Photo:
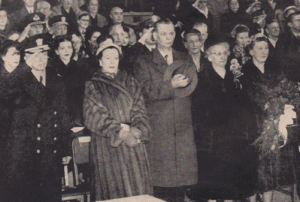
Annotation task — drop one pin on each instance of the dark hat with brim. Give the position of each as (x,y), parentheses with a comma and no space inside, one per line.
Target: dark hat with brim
(35,44)
(216,40)
(187,69)
(57,20)
(32,19)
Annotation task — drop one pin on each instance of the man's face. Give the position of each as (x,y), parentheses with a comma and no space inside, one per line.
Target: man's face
(118,35)
(3,18)
(44,8)
(295,24)
(36,29)
(116,15)
(60,29)
(202,4)
(29,3)
(165,35)
(66,3)
(204,34)
(84,21)
(93,6)
(193,43)
(37,61)
(273,29)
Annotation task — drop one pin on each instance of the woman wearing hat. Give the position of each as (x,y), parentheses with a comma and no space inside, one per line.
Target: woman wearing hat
(114,112)
(274,97)
(223,132)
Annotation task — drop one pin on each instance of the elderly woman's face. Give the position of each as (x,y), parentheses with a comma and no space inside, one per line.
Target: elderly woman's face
(242,39)
(218,55)
(260,51)
(110,61)
(234,5)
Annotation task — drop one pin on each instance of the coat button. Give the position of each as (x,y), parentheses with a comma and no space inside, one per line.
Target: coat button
(55,125)
(38,138)
(38,151)
(55,112)
(55,138)
(54,151)
(38,125)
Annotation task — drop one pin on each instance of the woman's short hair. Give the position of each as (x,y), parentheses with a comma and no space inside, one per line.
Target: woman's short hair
(59,39)
(6,44)
(240,28)
(225,44)
(191,32)
(257,38)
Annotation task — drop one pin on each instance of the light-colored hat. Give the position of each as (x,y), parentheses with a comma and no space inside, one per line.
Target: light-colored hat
(106,44)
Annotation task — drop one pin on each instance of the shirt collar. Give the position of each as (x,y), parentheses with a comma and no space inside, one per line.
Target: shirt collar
(38,74)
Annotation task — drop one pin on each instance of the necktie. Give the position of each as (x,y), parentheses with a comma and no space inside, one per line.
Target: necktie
(166,58)
(41,80)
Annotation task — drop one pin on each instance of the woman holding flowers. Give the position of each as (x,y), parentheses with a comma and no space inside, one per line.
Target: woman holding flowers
(274,98)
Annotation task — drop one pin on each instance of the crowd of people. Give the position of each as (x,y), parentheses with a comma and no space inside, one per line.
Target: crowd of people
(177,107)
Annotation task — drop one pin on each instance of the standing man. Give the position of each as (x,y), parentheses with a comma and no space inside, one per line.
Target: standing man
(288,48)
(172,150)
(272,30)
(38,138)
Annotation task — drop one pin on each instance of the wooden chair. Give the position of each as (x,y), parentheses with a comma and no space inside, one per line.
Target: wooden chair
(80,150)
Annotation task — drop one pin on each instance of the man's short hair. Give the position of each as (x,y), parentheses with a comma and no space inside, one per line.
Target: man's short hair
(200,24)
(290,18)
(165,21)
(191,32)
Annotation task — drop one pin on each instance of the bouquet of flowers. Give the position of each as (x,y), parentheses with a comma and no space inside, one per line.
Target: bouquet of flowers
(236,68)
(273,101)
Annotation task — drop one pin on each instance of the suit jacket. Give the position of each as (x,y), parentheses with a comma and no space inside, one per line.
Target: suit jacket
(101,20)
(172,147)
(288,50)
(38,138)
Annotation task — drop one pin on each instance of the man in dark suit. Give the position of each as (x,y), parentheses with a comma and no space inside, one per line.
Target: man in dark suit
(272,30)
(19,15)
(38,138)
(172,151)
(288,48)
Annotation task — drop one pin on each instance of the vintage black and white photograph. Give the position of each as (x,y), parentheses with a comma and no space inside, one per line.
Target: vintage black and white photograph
(149,100)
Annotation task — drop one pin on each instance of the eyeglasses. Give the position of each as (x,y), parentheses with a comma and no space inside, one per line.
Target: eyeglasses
(226,53)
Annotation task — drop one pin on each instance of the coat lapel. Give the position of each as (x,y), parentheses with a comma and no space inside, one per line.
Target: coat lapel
(161,63)
(32,86)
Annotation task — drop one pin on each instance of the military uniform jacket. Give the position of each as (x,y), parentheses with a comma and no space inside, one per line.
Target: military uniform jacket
(38,138)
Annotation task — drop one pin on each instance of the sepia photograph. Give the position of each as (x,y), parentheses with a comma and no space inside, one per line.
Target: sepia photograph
(149,100)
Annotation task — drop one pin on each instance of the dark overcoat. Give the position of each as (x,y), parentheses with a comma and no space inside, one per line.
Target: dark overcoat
(172,149)
(38,139)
